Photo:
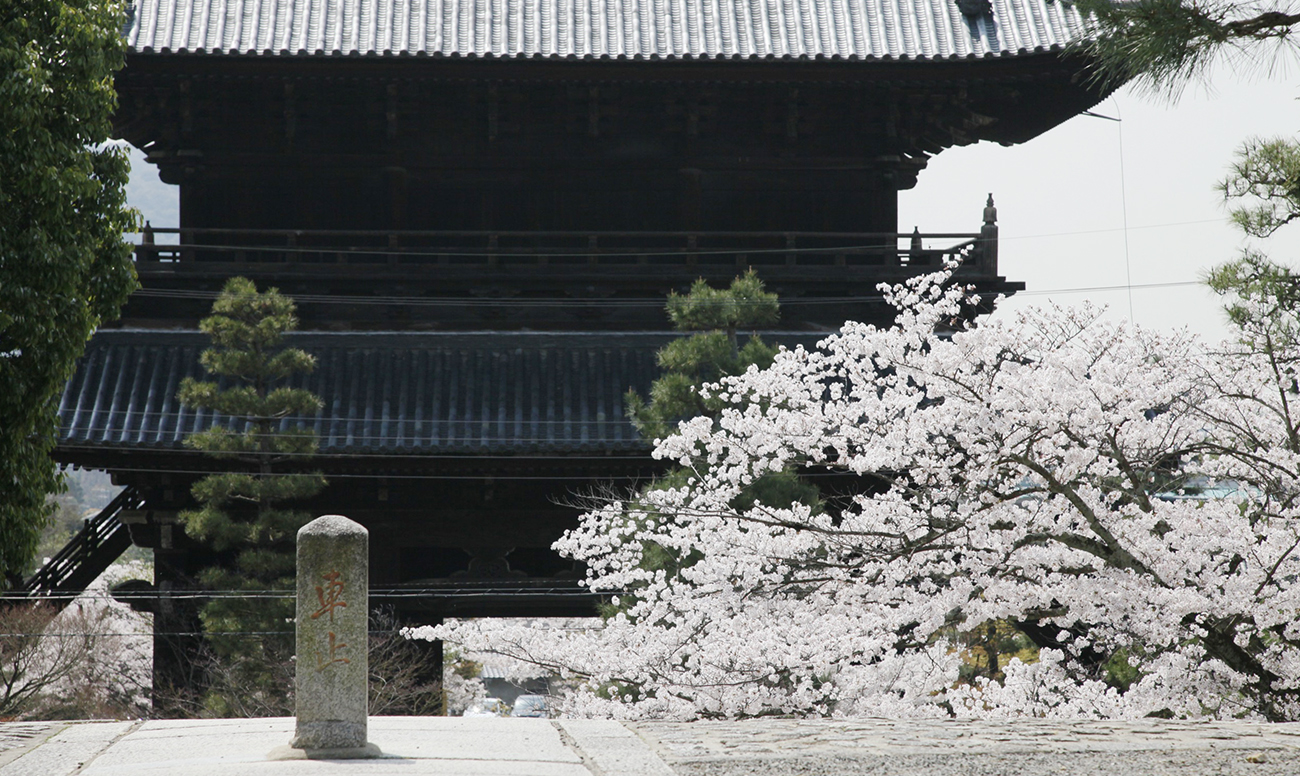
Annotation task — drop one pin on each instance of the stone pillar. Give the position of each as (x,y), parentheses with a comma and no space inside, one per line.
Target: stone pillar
(332,642)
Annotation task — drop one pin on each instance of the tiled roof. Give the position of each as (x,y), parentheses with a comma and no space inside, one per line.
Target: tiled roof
(404,393)
(858,29)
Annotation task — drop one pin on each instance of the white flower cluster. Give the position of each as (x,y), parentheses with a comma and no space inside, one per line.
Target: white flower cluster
(1045,471)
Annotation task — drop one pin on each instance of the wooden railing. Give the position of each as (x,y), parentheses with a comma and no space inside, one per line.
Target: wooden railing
(377,248)
(101,541)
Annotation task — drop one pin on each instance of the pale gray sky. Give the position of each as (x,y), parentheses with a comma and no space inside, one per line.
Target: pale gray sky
(1063,204)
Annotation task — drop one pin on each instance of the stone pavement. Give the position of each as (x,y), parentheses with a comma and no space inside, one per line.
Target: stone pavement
(416,746)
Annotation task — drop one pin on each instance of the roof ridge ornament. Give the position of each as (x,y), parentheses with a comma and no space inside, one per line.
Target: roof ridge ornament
(973,9)
(128,20)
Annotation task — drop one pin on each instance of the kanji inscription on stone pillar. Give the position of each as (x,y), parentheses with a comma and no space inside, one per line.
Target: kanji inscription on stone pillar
(333,582)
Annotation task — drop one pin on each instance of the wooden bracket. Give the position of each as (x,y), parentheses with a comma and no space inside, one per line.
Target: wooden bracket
(391,112)
(290,111)
(792,116)
(187,110)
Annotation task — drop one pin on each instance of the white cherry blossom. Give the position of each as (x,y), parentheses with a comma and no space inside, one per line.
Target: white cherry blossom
(1045,470)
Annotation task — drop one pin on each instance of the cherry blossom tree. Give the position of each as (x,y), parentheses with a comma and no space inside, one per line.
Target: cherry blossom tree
(1125,499)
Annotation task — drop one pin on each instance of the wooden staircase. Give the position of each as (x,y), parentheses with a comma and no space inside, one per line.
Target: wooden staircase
(101,540)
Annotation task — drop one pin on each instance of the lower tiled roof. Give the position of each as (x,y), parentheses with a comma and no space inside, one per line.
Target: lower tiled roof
(384,392)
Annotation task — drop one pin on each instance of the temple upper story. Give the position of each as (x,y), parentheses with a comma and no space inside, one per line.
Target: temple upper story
(564,151)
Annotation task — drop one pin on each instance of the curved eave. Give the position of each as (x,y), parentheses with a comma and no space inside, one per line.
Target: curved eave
(1061,63)
(320,55)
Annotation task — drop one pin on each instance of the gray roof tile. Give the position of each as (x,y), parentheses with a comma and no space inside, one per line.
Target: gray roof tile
(861,29)
(386,392)
(383,392)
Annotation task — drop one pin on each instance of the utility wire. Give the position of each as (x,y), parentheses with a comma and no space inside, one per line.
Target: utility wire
(466,452)
(494,302)
(1120,287)
(656,303)
(447,591)
(246,634)
(469,475)
(296,418)
(462,455)
(558,252)
(152,597)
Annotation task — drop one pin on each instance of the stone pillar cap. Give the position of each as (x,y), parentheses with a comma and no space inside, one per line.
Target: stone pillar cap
(333,525)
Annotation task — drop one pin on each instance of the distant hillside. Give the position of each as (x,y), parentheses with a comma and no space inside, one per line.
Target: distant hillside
(89,490)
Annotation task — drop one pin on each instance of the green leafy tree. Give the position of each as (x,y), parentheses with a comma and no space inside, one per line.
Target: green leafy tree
(64,265)
(241,515)
(1262,297)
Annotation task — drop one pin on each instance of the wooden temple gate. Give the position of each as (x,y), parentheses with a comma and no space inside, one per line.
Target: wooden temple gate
(480,206)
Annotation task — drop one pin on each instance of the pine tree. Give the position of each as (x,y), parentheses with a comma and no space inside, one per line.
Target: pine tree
(1163,44)
(711,318)
(241,517)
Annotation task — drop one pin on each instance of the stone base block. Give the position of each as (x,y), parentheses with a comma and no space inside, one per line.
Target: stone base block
(329,734)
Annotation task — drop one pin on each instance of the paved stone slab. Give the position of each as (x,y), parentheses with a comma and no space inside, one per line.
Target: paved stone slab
(71,748)
(411,745)
(17,738)
(975,748)
(420,746)
(476,738)
(611,749)
(1015,764)
(789,737)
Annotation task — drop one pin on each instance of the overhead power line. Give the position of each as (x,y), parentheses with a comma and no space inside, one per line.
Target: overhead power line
(478,590)
(412,301)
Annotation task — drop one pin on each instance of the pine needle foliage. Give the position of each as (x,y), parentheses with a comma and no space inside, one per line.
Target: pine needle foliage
(1165,44)
(712,319)
(1265,174)
(242,515)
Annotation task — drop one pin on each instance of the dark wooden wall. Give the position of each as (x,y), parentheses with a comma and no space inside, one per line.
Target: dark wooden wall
(340,154)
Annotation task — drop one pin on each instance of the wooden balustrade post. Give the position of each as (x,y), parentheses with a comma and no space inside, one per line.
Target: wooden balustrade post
(916,248)
(186,252)
(988,253)
(146,251)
